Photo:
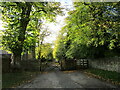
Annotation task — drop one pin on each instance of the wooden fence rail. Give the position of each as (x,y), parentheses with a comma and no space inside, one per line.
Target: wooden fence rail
(82,64)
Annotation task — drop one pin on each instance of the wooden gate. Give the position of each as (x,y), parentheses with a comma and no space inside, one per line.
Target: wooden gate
(82,64)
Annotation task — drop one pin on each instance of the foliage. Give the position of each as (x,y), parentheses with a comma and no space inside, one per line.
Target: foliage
(22,19)
(92,30)
(47,51)
(59,49)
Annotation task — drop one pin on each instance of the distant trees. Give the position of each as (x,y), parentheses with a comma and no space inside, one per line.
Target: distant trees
(21,20)
(59,49)
(91,31)
(46,52)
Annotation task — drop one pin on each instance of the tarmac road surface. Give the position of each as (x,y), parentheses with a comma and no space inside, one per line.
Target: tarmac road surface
(52,77)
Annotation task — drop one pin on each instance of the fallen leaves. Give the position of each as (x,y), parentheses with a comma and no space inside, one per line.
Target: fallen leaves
(69,71)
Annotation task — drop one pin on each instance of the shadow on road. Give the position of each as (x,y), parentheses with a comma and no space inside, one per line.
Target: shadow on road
(53,77)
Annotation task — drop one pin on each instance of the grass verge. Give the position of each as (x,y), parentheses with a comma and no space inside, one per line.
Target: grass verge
(10,80)
(109,76)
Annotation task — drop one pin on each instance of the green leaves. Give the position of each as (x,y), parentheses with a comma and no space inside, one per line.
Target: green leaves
(46,51)
(23,24)
(92,29)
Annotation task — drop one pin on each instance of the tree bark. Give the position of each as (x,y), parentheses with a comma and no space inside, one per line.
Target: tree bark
(16,59)
(22,29)
(61,65)
(33,52)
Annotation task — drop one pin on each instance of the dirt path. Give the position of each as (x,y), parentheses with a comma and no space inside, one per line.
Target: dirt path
(53,78)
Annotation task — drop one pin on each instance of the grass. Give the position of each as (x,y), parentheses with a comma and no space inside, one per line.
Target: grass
(14,79)
(111,76)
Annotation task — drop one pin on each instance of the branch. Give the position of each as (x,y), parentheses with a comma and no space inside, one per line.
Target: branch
(5,5)
(88,5)
(40,11)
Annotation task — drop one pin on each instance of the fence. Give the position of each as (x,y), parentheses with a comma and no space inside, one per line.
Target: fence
(110,64)
(82,64)
(74,64)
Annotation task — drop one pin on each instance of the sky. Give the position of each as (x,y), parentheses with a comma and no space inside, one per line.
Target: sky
(54,28)
(1,25)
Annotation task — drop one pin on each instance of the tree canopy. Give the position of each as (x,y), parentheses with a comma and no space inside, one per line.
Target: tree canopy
(22,23)
(92,31)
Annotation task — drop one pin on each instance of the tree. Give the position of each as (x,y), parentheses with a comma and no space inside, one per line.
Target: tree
(59,49)
(43,34)
(17,16)
(46,51)
(92,30)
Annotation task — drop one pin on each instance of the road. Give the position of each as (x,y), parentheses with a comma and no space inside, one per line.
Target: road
(54,78)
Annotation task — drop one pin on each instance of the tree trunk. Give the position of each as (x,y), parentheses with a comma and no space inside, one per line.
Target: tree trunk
(61,65)
(33,52)
(22,29)
(26,55)
(16,65)
(40,65)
